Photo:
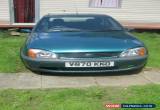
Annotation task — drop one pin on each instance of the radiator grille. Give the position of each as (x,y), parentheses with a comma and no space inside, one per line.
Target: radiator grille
(89,55)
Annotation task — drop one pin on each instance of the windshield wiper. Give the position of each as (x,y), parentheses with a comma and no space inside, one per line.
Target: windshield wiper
(103,30)
(70,29)
(63,29)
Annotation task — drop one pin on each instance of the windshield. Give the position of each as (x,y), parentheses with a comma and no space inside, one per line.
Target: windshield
(77,23)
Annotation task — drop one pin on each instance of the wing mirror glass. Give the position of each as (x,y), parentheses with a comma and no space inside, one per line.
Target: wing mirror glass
(26,30)
(130,29)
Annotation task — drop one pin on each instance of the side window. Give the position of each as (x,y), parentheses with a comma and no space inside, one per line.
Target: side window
(104,3)
(114,24)
(42,25)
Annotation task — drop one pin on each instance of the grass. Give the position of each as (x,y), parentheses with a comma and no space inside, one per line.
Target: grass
(10,46)
(152,41)
(9,53)
(93,98)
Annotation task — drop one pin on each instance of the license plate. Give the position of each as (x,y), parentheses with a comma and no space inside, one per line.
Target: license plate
(89,64)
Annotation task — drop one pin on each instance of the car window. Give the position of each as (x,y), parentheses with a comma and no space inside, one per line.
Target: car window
(74,23)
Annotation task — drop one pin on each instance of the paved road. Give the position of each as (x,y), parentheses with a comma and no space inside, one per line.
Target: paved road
(34,81)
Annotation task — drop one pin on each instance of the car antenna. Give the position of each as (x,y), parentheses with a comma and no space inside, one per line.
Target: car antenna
(76,7)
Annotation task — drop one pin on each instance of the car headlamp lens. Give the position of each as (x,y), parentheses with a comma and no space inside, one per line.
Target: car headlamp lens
(141,51)
(37,53)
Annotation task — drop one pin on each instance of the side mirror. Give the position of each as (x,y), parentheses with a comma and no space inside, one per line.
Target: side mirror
(130,29)
(26,30)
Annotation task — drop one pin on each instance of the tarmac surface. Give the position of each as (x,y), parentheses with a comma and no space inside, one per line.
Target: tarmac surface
(31,80)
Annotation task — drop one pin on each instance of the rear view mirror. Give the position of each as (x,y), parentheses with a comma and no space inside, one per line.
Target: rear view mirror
(26,30)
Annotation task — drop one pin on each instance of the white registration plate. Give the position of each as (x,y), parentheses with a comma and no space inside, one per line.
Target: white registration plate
(90,64)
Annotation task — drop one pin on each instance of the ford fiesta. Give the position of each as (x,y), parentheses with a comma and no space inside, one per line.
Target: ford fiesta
(82,43)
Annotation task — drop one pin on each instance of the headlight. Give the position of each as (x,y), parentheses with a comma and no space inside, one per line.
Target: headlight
(141,51)
(37,53)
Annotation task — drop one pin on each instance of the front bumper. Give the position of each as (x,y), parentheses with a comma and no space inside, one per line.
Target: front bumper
(58,65)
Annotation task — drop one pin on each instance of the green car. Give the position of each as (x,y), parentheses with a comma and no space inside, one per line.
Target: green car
(82,43)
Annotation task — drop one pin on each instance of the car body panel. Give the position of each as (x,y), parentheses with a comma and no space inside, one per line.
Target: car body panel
(84,41)
(58,65)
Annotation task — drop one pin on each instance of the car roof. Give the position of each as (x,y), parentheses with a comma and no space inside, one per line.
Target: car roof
(77,15)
